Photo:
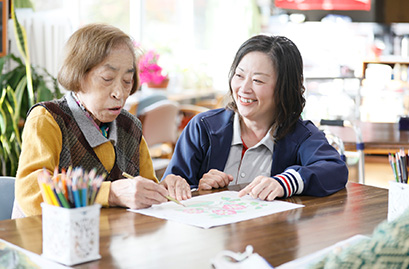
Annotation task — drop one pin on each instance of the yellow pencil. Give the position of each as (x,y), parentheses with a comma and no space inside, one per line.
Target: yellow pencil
(166,196)
(44,193)
(51,194)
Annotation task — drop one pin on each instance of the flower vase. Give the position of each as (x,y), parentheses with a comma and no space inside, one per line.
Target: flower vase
(163,85)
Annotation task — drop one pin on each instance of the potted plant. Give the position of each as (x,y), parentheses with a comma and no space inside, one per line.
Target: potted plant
(150,72)
(21,87)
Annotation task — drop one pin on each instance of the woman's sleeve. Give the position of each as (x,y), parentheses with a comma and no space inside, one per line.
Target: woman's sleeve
(189,156)
(322,169)
(41,147)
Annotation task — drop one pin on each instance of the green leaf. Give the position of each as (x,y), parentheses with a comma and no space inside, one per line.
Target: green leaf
(16,59)
(19,97)
(6,146)
(15,132)
(3,122)
(43,93)
(3,96)
(15,153)
(19,32)
(21,38)
(11,97)
(20,88)
(13,77)
(2,62)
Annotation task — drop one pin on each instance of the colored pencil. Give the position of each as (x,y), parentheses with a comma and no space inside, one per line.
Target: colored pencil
(393,165)
(74,188)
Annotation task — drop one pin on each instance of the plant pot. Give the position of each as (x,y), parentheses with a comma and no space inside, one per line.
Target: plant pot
(162,85)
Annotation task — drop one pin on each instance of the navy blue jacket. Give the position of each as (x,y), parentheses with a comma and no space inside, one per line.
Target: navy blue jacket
(205,144)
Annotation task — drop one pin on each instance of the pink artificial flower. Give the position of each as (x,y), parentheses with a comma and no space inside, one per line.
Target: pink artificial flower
(149,70)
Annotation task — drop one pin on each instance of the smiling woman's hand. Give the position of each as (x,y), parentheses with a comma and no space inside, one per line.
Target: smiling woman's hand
(264,188)
(214,179)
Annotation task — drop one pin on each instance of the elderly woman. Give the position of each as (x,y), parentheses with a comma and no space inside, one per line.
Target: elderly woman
(88,127)
(260,138)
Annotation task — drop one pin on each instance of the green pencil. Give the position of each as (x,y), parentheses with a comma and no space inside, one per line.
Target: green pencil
(393,165)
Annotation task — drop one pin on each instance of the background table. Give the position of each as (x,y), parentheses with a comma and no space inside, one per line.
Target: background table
(379,138)
(130,240)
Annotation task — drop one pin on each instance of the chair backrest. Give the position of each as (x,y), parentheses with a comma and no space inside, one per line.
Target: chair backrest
(146,101)
(6,197)
(160,122)
(187,112)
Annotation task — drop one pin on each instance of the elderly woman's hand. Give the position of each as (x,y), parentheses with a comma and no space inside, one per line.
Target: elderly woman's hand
(136,193)
(264,188)
(177,187)
(214,179)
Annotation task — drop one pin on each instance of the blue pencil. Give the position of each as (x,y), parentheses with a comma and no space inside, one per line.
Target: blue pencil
(77,199)
(84,196)
(56,195)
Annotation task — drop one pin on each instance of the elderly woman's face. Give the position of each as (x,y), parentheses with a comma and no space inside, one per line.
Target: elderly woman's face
(106,87)
(253,87)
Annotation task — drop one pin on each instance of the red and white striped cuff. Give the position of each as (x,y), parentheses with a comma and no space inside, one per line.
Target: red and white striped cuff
(291,182)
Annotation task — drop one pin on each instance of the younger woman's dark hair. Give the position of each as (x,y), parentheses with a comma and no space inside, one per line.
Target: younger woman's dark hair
(289,90)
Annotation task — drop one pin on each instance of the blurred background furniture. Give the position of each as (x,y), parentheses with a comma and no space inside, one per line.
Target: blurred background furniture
(160,122)
(6,197)
(163,119)
(338,143)
(146,101)
(379,138)
(187,112)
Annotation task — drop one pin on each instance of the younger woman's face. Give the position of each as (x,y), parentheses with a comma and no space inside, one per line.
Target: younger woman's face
(253,87)
(105,88)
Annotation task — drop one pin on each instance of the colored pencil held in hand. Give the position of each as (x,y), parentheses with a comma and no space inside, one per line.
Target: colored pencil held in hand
(166,196)
(70,189)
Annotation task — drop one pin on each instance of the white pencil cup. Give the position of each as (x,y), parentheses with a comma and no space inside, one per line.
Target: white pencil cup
(398,199)
(71,236)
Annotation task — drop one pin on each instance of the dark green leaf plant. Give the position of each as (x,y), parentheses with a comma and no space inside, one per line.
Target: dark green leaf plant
(22,87)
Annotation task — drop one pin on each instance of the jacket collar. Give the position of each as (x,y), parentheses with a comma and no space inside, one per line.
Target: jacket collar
(91,133)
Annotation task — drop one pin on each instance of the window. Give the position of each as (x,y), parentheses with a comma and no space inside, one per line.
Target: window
(196,39)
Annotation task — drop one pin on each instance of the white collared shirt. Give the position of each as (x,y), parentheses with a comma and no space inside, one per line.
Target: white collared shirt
(256,161)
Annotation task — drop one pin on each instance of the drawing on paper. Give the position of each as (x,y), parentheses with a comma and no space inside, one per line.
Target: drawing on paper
(216,209)
(225,207)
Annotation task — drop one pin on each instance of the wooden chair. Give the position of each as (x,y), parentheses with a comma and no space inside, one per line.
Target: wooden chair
(187,112)
(218,102)
(160,123)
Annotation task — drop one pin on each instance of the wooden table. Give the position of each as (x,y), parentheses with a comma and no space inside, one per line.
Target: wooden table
(379,138)
(130,240)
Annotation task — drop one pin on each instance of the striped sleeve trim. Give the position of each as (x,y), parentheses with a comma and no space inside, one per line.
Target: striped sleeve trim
(291,182)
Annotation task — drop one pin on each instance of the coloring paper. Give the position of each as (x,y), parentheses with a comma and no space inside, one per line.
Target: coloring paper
(216,209)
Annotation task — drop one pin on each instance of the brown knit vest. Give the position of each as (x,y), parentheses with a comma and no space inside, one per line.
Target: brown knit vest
(77,152)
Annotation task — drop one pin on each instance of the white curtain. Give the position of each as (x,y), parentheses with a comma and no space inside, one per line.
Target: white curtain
(47,33)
